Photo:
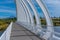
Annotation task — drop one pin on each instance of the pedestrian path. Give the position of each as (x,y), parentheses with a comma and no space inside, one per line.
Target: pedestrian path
(20,33)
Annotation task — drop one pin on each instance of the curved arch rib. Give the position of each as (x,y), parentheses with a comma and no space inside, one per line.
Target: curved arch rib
(21,16)
(31,16)
(35,13)
(48,20)
(28,18)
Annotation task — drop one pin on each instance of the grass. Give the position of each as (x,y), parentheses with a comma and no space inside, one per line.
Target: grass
(56,21)
(4,23)
(3,27)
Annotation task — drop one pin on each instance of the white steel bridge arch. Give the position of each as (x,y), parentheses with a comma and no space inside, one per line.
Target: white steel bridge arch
(21,16)
(25,18)
(29,12)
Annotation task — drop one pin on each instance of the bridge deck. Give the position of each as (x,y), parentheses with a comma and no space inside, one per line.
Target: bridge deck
(20,33)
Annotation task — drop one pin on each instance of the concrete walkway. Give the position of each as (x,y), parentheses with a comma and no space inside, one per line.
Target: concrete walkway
(20,33)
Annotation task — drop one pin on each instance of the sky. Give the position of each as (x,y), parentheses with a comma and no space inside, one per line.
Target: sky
(53,7)
(8,8)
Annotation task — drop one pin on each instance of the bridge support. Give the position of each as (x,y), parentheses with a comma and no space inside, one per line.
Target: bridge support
(24,15)
(21,13)
(28,12)
(49,31)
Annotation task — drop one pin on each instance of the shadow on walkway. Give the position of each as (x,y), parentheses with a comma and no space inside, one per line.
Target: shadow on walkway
(20,33)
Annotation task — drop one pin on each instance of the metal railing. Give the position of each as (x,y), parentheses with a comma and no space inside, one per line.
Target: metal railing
(40,32)
(47,34)
(6,33)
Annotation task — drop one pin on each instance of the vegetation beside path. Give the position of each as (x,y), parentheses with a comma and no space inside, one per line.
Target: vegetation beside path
(4,23)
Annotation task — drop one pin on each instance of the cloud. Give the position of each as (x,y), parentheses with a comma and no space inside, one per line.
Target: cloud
(4,13)
(53,2)
(5,2)
(53,7)
(8,11)
(7,7)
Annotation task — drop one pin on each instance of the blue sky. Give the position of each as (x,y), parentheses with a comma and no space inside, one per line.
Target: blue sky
(8,8)
(53,7)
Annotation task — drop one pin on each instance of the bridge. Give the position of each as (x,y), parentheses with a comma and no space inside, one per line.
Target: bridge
(25,28)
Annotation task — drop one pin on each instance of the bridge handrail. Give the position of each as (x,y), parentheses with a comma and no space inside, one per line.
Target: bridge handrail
(6,33)
(33,28)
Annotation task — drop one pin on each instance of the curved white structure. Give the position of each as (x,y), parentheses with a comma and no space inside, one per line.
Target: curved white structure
(24,16)
(38,23)
(35,12)
(48,20)
(26,11)
(29,12)
(21,16)
(21,13)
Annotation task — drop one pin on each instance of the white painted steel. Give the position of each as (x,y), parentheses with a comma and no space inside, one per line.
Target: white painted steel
(55,37)
(26,11)
(48,20)
(31,16)
(7,33)
(21,15)
(35,12)
(22,18)
(36,16)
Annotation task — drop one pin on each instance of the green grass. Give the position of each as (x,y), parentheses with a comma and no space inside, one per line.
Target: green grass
(5,22)
(56,21)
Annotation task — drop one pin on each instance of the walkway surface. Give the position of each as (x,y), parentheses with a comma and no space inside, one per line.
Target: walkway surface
(20,33)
